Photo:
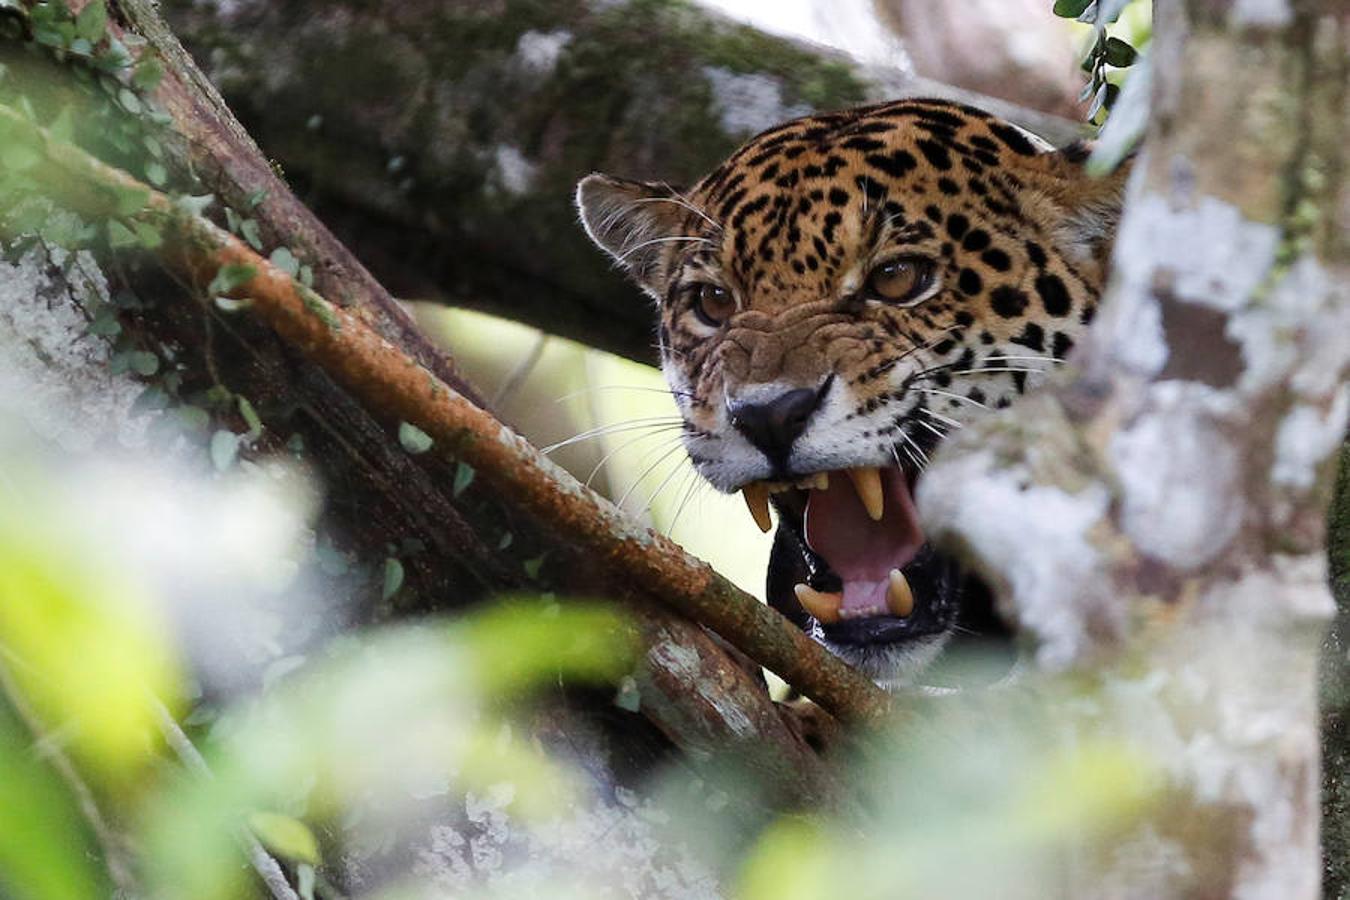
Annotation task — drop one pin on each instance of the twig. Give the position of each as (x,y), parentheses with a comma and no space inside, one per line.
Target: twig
(262,862)
(386,379)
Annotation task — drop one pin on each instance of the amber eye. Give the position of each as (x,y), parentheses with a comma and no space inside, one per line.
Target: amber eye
(900,280)
(712,304)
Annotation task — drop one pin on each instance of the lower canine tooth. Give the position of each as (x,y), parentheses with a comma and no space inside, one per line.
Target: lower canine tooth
(823,607)
(867,482)
(757,500)
(899,598)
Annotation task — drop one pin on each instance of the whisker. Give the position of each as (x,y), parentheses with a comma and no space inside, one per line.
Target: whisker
(934,391)
(941,418)
(651,499)
(912,443)
(696,484)
(688,239)
(624,446)
(655,424)
(942,435)
(646,472)
(621,387)
(679,200)
(1004,358)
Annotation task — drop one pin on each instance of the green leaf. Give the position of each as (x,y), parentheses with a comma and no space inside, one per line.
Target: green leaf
(149,72)
(1119,53)
(224,449)
(628,698)
(129,101)
(193,418)
(147,235)
(414,439)
(256,198)
(105,324)
(532,566)
(144,363)
(1071,9)
(286,837)
(393,577)
(255,425)
(197,204)
(249,230)
(156,173)
(92,22)
(130,200)
(120,236)
(463,478)
(284,260)
(230,277)
(18,155)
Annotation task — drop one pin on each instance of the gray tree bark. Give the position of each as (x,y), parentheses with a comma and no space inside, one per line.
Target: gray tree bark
(1158,518)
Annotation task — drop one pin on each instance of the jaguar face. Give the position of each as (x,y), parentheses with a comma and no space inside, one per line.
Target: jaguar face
(836,299)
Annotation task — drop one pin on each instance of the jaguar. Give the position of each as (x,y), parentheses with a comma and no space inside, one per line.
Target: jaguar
(834,300)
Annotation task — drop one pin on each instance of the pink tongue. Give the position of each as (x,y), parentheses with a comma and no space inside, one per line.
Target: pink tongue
(858,550)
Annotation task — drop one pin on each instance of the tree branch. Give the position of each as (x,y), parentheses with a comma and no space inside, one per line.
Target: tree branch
(386,379)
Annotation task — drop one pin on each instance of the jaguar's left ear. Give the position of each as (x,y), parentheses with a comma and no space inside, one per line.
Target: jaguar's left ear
(1087,207)
(635,222)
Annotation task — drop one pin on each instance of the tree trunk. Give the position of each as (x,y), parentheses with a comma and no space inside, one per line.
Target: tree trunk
(443,141)
(1158,518)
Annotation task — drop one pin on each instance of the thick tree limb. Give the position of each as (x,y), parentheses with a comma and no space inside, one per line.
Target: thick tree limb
(385,378)
(1158,518)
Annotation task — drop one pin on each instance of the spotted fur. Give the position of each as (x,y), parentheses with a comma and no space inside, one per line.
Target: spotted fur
(792,224)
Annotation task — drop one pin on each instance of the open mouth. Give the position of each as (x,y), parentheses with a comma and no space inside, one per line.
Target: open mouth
(851,564)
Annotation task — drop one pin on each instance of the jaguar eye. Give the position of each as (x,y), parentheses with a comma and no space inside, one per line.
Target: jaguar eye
(712,304)
(900,280)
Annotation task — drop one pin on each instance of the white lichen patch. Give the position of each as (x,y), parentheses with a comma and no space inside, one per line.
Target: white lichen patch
(1211,252)
(1134,322)
(512,172)
(684,664)
(1262,13)
(1307,436)
(1277,346)
(747,104)
(609,848)
(54,375)
(1180,479)
(1036,536)
(538,51)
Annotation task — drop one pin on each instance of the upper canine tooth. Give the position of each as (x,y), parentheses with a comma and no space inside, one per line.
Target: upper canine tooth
(822,481)
(899,598)
(757,500)
(824,607)
(867,482)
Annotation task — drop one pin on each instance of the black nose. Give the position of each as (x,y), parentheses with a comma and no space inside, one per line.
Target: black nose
(773,426)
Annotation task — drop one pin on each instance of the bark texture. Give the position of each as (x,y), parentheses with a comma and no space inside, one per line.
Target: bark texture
(443,141)
(1175,484)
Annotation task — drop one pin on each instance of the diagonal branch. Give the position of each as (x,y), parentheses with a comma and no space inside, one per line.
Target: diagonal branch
(387,380)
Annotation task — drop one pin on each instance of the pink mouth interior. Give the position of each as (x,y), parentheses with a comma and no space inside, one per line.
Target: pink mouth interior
(860,551)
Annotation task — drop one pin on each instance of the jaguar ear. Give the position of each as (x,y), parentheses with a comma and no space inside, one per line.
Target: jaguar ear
(628,221)
(1089,205)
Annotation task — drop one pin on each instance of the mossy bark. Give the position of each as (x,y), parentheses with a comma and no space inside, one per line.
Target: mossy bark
(442,141)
